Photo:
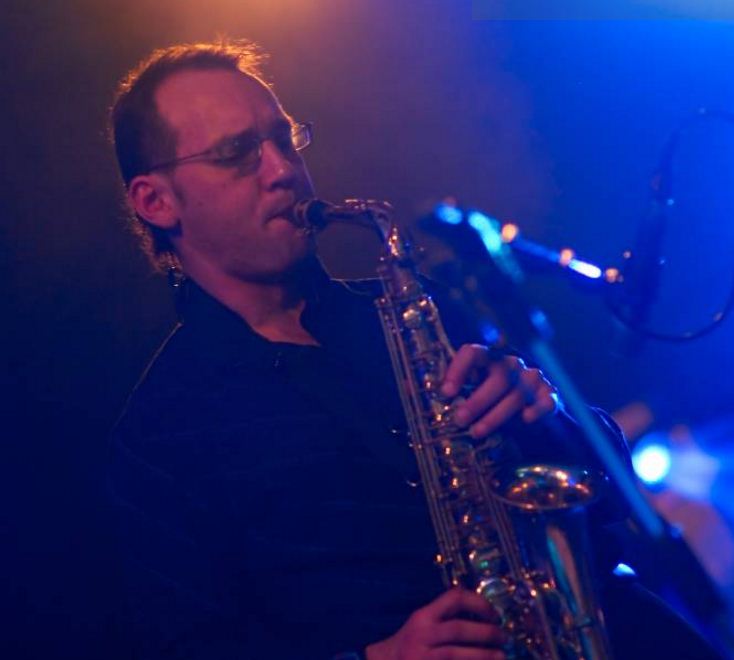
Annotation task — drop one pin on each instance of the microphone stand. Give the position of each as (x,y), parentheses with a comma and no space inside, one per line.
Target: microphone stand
(641,272)
(498,283)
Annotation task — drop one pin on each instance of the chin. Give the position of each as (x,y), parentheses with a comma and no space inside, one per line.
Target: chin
(301,266)
(298,263)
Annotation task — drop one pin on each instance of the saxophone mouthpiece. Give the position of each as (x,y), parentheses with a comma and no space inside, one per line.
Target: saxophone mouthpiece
(316,214)
(312,213)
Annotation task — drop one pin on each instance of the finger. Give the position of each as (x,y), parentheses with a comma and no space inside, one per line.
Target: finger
(461,601)
(534,396)
(471,633)
(540,395)
(502,377)
(467,358)
(502,412)
(547,403)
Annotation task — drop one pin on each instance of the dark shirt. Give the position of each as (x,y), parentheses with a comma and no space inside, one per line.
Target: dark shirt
(264,489)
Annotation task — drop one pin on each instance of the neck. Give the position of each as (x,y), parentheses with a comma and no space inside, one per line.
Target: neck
(271,308)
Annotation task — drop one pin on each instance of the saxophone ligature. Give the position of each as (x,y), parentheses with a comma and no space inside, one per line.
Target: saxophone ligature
(515,536)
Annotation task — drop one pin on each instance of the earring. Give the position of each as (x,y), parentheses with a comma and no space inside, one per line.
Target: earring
(176,277)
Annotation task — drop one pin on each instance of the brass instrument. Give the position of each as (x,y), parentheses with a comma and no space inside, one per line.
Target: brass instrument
(517,538)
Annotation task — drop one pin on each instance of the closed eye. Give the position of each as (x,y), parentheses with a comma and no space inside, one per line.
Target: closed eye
(283,139)
(237,149)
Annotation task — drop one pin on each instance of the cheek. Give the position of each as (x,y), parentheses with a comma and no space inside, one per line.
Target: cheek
(215,193)
(305,187)
(239,201)
(227,205)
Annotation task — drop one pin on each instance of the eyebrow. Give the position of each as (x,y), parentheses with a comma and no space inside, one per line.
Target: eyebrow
(251,133)
(248,134)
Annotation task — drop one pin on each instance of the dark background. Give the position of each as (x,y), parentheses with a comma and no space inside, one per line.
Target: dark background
(556,125)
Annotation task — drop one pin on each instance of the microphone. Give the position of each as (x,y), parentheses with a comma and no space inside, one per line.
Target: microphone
(642,270)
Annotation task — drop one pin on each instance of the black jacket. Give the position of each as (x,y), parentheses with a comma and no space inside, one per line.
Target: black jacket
(263,489)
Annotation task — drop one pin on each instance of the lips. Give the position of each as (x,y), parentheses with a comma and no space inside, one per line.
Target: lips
(285,212)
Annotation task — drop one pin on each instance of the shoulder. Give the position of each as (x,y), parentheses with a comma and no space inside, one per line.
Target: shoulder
(174,366)
(158,390)
(189,370)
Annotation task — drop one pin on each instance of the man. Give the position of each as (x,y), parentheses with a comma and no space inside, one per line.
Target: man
(263,487)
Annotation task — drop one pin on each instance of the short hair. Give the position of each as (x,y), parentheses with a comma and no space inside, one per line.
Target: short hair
(142,137)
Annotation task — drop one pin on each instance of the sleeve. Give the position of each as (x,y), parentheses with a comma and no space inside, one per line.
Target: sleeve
(182,587)
(558,440)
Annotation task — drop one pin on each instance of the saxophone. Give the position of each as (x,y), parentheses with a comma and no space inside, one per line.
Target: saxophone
(516,537)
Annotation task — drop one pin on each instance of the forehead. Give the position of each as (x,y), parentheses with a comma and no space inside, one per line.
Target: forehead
(202,106)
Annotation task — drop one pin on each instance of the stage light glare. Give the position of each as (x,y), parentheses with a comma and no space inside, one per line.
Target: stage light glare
(612,275)
(488,230)
(588,270)
(449,214)
(490,333)
(565,256)
(693,473)
(623,570)
(510,232)
(652,463)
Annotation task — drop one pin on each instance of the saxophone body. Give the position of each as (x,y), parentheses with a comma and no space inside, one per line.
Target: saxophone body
(514,535)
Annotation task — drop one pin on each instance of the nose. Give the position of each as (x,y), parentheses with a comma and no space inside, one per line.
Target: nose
(277,170)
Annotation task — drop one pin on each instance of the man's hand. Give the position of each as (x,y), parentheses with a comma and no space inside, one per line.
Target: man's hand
(507,388)
(442,631)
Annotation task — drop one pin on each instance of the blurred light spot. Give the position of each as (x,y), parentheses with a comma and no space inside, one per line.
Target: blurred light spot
(693,473)
(448,213)
(540,321)
(584,268)
(565,256)
(634,419)
(488,230)
(490,333)
(622,570)
(612,275)
(510,232)
(652,463)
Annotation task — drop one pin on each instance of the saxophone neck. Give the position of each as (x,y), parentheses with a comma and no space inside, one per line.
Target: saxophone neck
(316,214)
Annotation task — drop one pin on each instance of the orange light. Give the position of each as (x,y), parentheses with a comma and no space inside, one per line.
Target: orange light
(565,256)
(612,275)
(510,232)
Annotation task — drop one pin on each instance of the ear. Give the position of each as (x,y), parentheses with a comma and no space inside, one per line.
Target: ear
(153,199)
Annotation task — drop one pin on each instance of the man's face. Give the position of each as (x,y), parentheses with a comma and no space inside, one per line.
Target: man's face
(233,220)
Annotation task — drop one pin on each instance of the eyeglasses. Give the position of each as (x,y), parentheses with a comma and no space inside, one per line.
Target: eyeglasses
(245,150)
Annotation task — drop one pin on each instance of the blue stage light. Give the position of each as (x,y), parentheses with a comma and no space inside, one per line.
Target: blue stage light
(489,231)
(582,267)
(490,332)
(652,463)
(623,570)
(449,214)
